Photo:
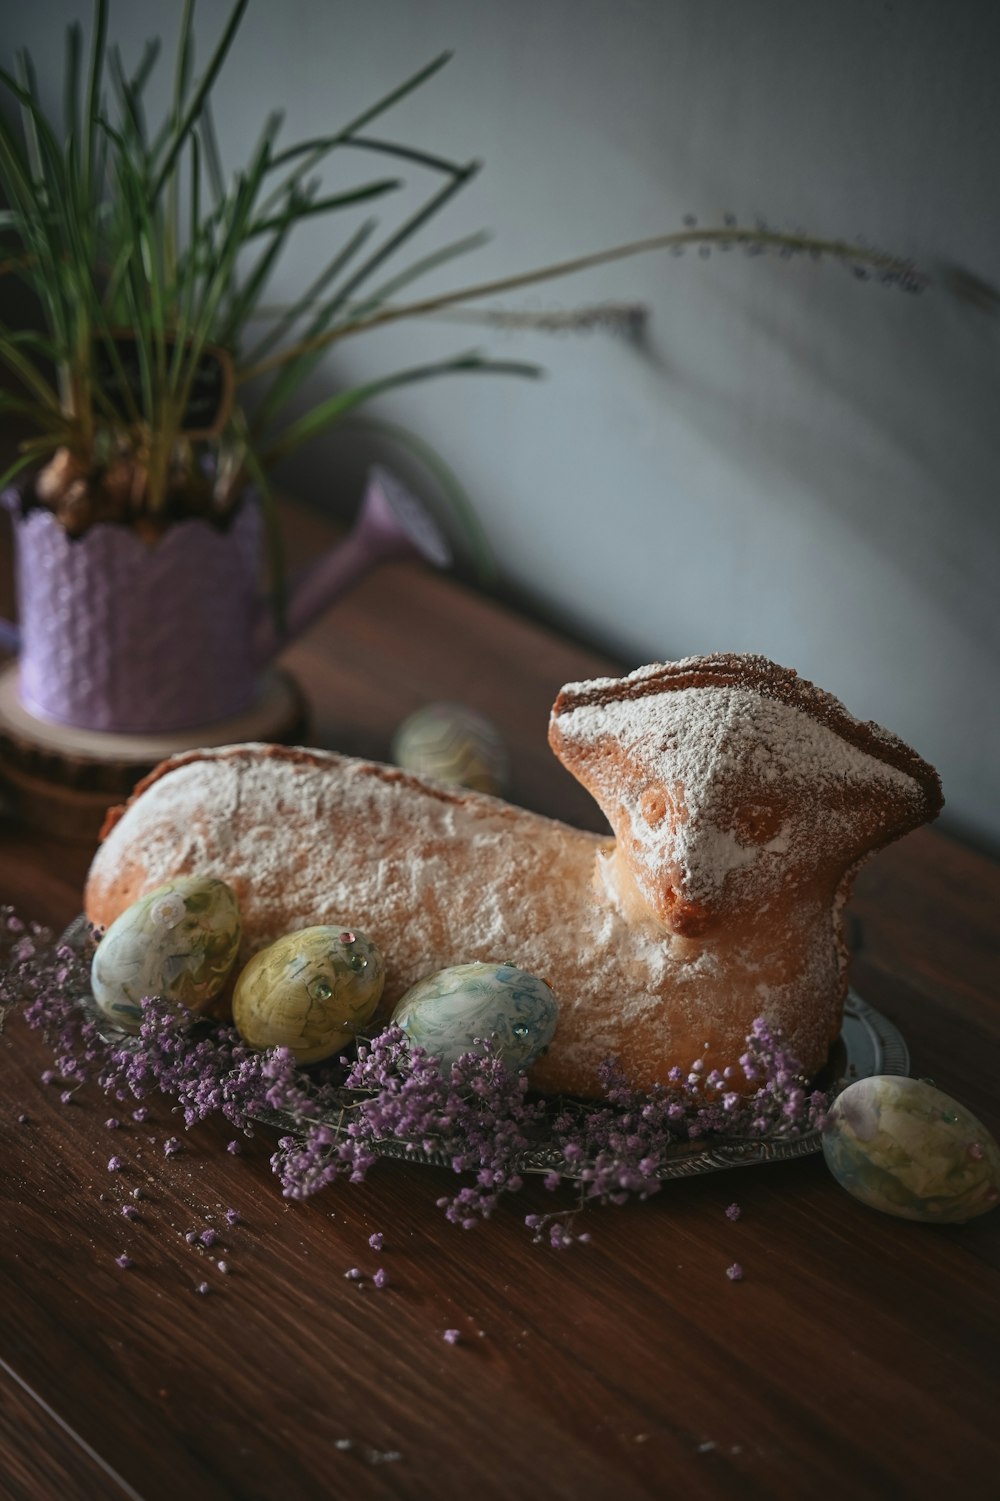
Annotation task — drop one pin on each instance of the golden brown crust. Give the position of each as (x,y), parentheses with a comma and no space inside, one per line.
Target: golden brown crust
(295,754)
(646,962)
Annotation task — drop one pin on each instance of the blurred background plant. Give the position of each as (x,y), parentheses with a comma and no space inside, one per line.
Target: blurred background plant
(149,265)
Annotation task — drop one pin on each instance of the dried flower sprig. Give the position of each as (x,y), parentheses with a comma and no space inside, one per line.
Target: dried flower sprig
(395,1098)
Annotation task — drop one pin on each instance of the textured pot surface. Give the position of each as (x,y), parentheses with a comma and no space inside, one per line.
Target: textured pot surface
(123,635)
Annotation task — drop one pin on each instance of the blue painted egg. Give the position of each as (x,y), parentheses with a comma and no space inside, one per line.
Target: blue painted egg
(906,1148)
(178,942)
(449,1012)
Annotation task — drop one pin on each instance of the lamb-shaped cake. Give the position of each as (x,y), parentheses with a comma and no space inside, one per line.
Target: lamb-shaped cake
(742,800)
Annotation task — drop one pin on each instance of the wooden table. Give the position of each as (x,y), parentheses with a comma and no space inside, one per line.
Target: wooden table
(858,1354)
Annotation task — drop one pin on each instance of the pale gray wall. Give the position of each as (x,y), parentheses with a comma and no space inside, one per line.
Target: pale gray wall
(799,465)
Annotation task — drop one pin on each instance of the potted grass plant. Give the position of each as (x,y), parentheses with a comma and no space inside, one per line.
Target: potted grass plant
(145,492)
(143,496)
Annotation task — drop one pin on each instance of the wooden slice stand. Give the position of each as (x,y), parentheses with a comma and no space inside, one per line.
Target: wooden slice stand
(62,780)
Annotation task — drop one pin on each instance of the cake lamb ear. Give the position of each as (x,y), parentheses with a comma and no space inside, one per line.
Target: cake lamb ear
(727,777)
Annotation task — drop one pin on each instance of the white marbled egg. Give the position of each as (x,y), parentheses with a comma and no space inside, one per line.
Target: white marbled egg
(310,991)
(178,942)
(904,1147)
(447,1013)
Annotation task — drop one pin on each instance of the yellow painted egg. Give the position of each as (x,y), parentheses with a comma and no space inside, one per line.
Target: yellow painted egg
(178,942)
(310,991)
(452,743)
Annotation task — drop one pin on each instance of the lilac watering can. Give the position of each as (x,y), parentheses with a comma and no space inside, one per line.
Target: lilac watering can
(128,637)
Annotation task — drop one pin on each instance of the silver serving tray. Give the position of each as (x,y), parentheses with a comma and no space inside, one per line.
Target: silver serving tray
(869,1044)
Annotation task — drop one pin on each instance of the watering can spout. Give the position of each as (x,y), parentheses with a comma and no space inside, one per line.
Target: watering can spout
(392,524)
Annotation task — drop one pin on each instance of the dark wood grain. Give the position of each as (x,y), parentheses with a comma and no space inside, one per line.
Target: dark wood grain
(858,1354)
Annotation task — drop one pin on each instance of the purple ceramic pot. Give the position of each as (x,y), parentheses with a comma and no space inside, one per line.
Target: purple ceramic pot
(131,637)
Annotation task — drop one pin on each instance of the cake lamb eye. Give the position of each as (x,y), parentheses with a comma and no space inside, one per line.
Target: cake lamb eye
(653,806)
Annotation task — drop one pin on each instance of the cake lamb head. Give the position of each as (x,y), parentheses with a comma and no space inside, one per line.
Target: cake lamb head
(733,785)
(741,798)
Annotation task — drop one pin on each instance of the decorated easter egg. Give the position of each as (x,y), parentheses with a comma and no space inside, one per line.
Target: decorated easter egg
(453,744)
(178,942)
(903,1146)
(310,991)
(447,1013)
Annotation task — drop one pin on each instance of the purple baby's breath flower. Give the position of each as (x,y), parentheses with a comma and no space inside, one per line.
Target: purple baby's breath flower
(233,1216)
(234,1147)
(49,1076)
(208,1237)
(130,1212)
(191,1236)
(355,1274)
(223,1267)
(115,1164)
(476,1115)
(66,1098)
(125,1262)
(733,1212)
(452,1336)
(375,1240)
(735,1272)
(380,1279)
(203,1288)
(112,1123)
(171,1147)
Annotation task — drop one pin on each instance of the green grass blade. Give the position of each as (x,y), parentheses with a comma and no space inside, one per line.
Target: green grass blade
(335,407)
(92,104)
(185,60)
(13,470)
(201,93)
(250,292)
(71,80)
(320,146)
(406,154)
(307,210)
(31,141)
(213,157)
(26,371)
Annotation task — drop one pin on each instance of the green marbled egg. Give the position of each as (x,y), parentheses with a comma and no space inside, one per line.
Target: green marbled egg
(904,1147)
(310,991)
(447,1013)
(178,942)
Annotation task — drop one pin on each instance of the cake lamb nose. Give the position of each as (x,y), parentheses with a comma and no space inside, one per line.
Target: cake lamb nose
(742,800)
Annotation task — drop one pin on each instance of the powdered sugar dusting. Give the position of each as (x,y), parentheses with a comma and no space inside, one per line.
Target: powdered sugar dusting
(740,818)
